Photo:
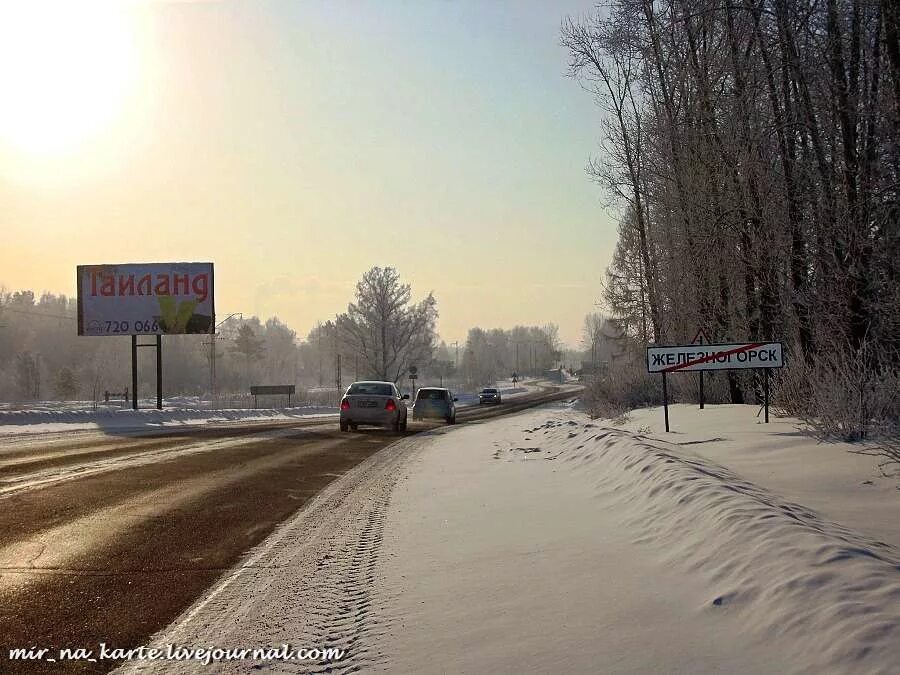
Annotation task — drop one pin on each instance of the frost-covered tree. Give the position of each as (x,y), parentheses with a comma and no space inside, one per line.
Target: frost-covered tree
(66,383)
(28,376)
(250,347)
(384,329)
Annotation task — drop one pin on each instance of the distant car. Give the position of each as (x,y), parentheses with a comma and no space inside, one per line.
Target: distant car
(489,395)
(435,403)
(373,403)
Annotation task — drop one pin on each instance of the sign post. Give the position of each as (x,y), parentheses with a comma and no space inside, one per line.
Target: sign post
(665,402)
(698,340)
(737,356)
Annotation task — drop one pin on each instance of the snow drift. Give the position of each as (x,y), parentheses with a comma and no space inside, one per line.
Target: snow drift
(827,593)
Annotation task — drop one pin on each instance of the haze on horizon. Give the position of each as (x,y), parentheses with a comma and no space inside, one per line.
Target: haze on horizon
(296,145)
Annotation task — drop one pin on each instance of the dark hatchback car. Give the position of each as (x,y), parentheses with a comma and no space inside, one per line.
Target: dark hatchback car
(489,395)
(435,403)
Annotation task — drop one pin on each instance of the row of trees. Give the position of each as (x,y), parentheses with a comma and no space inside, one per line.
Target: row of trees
(41,357)
(754,150)
(495,354)
(383,333)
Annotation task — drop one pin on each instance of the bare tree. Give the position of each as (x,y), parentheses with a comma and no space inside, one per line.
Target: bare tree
(756,147)
(384,329)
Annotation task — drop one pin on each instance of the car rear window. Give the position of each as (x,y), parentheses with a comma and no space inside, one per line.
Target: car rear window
(431,394)
(371,389)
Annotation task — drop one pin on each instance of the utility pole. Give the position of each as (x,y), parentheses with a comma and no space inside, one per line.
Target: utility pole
(337,359)
(213,394)
(319,332)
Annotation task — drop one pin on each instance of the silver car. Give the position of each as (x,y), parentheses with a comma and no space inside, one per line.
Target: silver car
(374,403)
(435,402)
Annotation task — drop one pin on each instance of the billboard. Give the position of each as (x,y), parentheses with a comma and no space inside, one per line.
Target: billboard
(145,299)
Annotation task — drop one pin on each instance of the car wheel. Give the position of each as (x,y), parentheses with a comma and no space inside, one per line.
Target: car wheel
(354,427)
(396,425)
(344,426)
(403,424)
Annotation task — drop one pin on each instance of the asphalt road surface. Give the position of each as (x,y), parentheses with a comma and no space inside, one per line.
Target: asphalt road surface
(108,538)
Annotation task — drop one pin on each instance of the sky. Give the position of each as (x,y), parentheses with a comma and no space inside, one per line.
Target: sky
(298,144)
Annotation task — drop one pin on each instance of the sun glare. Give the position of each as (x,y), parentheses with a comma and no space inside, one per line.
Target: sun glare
(66,71)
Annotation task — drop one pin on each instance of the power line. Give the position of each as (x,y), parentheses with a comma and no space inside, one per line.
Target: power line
(39,314)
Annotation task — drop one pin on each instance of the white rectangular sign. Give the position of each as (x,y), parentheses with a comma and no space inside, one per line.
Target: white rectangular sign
(145,299)
(678,358)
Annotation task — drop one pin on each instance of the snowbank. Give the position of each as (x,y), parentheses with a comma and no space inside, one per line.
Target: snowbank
(17,422)
(827,594)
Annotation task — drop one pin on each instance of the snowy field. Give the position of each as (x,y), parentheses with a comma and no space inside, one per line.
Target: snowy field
(548,542)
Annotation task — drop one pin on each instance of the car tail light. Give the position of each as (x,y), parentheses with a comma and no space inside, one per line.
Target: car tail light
(345,405)
(390,406)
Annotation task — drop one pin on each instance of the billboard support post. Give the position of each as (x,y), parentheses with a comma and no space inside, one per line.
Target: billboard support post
(766,393)
(134,373)
(159,396)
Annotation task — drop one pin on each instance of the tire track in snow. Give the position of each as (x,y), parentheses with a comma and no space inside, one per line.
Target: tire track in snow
(42,478)
(309,585)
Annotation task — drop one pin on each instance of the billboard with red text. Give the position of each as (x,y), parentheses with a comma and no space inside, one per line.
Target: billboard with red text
(145,299)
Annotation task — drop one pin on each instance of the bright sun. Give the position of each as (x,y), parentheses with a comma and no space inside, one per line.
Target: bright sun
(66,72)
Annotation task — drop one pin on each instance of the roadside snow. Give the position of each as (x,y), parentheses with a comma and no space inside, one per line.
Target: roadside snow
(547,542)
(56,417)
(37,421)
(832,478)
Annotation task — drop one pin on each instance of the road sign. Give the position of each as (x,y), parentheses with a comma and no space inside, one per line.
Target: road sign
(412,371)
(674,358)
(700,357)
(271,390)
